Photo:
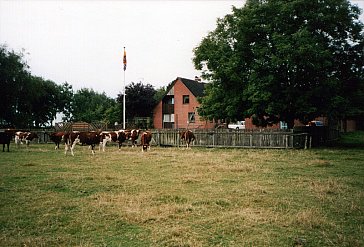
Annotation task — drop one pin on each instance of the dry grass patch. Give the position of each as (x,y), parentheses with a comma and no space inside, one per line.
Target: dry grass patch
(310,218)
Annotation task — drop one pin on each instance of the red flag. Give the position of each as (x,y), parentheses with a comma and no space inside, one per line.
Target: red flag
(124,59)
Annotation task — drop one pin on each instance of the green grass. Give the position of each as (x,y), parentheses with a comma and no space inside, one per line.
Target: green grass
(178,197)
(352,139)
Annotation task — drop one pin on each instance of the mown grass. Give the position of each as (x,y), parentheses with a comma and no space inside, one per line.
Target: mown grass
(178,197)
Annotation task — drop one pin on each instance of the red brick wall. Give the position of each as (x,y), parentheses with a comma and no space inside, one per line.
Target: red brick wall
(158,116)
(181,110)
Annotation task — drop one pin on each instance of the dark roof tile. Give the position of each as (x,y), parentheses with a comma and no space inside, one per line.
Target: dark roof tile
(195,87)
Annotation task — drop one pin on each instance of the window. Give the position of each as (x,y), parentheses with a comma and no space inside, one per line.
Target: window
(283,125)
(191,117)
(168,118)
(186,99)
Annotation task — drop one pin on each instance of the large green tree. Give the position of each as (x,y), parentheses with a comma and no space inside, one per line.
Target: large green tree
(140,100)
(13,75)
(90,106)
(26,101)
(284,60)
(43,103)
(65,99)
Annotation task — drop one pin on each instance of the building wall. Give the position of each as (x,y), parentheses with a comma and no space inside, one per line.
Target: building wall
(158,116)
(249,125)
(181,110)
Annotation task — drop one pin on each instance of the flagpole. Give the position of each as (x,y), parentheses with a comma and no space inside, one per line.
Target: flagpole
(124,62)
(124,104)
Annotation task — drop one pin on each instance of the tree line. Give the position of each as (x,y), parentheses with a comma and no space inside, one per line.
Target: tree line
(29,101)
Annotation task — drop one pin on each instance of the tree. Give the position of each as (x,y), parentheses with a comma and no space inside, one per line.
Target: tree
(140,100)
(43,101)
(90,106)
(14,75)
(284,60)
(65,99)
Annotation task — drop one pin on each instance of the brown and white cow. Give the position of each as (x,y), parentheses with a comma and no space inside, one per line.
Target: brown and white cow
(111,136)
(132,135)
(187,136)
(56,137)
(145,139)
(90,138)
(70,140)
(24,136)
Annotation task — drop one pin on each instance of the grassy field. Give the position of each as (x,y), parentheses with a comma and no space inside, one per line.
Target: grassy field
(178,197)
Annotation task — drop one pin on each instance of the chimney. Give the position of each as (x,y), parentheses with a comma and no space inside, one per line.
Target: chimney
(197,78)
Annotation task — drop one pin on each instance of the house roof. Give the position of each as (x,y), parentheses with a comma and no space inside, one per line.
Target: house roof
(195,87)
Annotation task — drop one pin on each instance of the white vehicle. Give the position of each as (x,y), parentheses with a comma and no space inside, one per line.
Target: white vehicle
(239,125)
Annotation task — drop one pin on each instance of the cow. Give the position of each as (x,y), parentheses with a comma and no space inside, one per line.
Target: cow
(133,136)
(145,139)
(5,139)
(56,137)
(187,136)
(111,136)
(90,138)
(24,136)
(70,140)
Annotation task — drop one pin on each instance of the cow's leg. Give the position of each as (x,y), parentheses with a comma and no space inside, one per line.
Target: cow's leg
(104,144)
(17,141)
(77,140)
(72,147)
(65,148)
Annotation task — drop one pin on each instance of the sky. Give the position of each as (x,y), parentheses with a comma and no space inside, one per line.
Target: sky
(81,42)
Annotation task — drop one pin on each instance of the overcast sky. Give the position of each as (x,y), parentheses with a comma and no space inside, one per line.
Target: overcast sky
(82,42)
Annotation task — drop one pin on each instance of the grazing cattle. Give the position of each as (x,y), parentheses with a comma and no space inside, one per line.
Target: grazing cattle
(90,138)
(145,139)
(56,137)
(187,136)
(70,141)
(24,136)
(111,136)
(5,139)
(133,136)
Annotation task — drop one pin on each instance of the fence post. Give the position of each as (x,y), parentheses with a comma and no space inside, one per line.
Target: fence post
(305,141)
(310,141)
(213,138)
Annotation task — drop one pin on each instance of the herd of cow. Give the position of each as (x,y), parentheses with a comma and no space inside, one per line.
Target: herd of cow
(90,138)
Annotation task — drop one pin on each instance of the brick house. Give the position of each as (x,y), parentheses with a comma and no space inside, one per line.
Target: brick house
(178,108)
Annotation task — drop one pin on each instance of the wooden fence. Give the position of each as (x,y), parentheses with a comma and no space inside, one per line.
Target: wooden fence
(236,138)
